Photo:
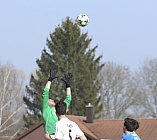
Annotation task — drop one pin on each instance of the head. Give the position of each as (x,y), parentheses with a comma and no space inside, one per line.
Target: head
(51,102)
(130,125)
(61,107)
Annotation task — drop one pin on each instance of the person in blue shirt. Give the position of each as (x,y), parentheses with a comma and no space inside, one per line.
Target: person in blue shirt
(129,128)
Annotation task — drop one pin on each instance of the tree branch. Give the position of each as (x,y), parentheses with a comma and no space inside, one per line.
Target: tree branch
(11,116)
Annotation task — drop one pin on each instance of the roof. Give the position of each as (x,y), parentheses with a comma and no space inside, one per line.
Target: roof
(34,133)
(99,129)
(82,124)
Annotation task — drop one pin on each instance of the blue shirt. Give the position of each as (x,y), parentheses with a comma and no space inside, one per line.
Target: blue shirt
(132,136)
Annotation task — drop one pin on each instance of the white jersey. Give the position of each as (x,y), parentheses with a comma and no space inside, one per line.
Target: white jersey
(67,130)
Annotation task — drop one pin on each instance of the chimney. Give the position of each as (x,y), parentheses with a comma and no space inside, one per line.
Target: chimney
(89,113)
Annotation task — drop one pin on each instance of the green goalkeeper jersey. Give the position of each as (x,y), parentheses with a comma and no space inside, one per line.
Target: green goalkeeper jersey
(49,113)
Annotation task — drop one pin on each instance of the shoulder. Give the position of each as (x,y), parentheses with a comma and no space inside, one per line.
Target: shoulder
(136,137)
(67,122)
(71,122)
(62,121)
(58,125)
(128,137)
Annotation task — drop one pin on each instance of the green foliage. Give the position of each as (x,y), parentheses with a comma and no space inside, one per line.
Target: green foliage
(68,51)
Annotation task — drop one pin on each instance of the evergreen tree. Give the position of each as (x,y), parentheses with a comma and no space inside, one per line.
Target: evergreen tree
(68,51)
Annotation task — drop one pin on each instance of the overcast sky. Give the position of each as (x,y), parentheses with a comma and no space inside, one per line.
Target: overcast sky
(124,30)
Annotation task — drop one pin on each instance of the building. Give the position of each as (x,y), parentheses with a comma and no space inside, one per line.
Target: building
(98,129)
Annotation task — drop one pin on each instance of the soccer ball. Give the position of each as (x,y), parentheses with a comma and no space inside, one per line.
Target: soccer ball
(82,20)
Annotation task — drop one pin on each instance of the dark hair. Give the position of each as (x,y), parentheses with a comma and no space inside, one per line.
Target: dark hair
(61,108)
(131,124)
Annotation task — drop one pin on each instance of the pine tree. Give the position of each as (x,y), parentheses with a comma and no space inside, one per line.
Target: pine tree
(68,51)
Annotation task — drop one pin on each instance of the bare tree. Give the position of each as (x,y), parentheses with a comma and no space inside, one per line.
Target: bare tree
(11,105)
(147,76)
(118,92)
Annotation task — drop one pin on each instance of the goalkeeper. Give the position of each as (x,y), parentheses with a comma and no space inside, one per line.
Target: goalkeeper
(48,104)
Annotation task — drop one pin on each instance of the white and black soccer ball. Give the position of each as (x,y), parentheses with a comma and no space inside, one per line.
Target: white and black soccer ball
(82,20)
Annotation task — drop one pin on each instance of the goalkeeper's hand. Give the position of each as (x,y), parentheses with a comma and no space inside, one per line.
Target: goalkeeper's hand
(67,79)
(52,75)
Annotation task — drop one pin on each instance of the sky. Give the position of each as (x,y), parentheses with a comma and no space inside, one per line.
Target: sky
(124,30)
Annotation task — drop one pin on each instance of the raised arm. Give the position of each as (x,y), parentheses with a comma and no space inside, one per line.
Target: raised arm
(68,91)
(67,80)
(48,84)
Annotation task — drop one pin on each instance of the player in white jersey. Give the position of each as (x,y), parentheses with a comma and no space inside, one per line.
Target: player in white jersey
(67,130)
(64,128)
